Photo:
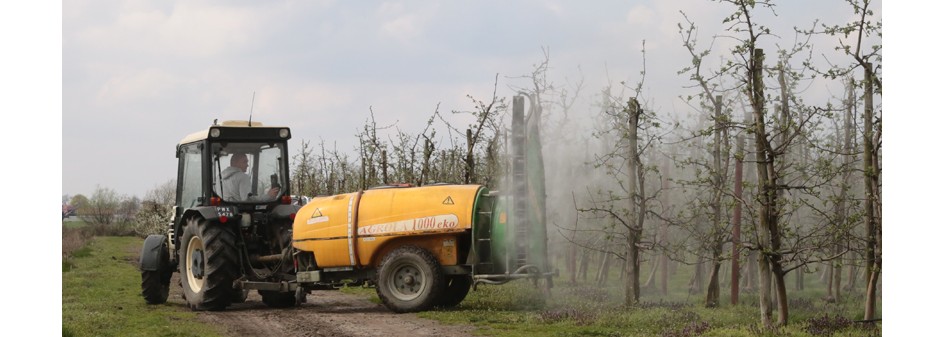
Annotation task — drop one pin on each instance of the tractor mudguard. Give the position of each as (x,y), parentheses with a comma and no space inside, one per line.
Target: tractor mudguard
(284,211)
(212,213)
(154,255)
(209,213)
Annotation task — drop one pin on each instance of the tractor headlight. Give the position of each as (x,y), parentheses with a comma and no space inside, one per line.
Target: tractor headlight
(284,133)
(214,133)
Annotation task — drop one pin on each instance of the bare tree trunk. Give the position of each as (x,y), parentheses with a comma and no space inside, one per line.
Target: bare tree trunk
(492,163)
(713,292)
(572,261)
(330,189)
(364,164)
(798,280)
(764,290)
(650,280)
(343,182)
(873,206)
(632,287)
(781,289)
(767,224)
(469,175)
(585,261)
(712,295)
(425,171)
(604,269)
(384,166)
(664,239)
(664,274)
(751,283)
(637,207)
(829,270)
(737,218)
(751,277)
(836,267)
(774,206)
(372,173)
(851,275)
(623,269)
(831,297)
(698,277)
(724,272)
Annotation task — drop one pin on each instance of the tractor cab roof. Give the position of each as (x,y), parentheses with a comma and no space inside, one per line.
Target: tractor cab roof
(238,129)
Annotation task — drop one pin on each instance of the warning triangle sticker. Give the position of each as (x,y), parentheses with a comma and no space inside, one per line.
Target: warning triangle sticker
(448,201)
(318,213)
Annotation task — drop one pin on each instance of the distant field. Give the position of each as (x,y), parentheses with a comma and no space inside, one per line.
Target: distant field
(73,222)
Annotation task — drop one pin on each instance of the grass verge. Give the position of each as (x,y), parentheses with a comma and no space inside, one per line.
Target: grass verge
(101,296)
(519,309)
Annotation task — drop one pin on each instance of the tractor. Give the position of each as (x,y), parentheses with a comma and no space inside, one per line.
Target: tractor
(221,241)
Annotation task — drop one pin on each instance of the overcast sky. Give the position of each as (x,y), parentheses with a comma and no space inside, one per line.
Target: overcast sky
(137,76)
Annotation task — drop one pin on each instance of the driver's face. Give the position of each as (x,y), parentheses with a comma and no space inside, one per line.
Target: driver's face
(242,163)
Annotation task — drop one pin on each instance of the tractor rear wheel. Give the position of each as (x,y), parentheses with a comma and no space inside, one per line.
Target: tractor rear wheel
(457,287)
(409,279)
(208,265)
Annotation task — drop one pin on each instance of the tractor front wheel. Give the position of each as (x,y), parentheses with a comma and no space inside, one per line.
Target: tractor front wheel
(155,286)
(409,279)
(155,274)
(208,265)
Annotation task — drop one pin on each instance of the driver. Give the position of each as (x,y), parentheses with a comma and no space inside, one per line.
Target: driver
(236,183)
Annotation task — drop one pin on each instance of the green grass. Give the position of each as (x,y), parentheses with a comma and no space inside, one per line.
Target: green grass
(68,264)
(101,296)
(74,224)
(518,309)
(366,292)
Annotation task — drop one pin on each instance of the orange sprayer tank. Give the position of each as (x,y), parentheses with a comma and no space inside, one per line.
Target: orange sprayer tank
(350,229)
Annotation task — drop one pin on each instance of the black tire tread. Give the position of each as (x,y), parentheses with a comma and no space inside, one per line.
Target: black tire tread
(222,263)
(221,269)
(457,287)
(155,286)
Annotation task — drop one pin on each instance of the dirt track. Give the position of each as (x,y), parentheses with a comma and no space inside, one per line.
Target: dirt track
(327,313)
